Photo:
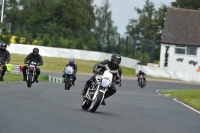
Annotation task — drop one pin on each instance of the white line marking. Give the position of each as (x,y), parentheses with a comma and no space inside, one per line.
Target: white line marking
(157,91)
(175,99)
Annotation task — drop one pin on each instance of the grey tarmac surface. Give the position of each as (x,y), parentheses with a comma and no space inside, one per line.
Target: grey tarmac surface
(48,108)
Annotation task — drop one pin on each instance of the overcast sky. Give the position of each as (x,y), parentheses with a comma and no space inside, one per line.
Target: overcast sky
(123,10)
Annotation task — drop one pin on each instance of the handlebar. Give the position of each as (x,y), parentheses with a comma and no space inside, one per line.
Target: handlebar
(32,63)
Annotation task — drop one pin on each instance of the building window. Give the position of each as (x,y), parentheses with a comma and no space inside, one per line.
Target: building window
(191,50)
(187,50)
(180,50)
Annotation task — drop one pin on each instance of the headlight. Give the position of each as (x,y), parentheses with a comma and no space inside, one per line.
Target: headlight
(105,82)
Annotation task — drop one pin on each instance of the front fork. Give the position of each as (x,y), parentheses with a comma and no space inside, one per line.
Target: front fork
(27,73)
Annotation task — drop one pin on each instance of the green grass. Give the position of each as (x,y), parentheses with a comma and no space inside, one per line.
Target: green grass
(190,97)
(18,77)
(58,64)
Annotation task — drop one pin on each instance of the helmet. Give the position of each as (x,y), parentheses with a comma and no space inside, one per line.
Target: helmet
(140,71)
(71,61)
(35,50)
(116,59)
(3,44)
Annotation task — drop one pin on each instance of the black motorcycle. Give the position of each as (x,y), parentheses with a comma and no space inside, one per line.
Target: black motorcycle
(141,81)
(31,72)
(2,64)
(68,77)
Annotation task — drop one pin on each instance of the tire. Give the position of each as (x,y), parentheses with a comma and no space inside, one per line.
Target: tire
(142,83)
(67,84)
(85,105)
(29,81)
(97,102)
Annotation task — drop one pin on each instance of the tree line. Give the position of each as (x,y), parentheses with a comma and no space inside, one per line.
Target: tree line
(79,24)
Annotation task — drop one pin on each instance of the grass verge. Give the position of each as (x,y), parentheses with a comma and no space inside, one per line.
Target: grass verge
(58,64)
(18,77)
(189,97)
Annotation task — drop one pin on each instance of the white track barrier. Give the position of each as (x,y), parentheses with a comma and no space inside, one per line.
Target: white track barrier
(69,53)
(189,76)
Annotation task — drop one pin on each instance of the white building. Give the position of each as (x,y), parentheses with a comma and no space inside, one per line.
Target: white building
(180,48)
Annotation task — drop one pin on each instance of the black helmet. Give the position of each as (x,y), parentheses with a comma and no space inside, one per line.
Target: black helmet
(35,50)
(3,44)
(116,59)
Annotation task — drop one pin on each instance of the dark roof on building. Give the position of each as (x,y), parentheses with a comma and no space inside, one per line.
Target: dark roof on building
(182,27)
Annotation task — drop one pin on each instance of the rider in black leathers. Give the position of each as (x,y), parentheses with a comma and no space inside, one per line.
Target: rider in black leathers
(143,74)
(113,64)
(33,57)
(5,57)
(72,64)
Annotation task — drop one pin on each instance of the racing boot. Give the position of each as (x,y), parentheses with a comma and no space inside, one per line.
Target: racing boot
(36,78)
(85,90)
(103,102)
(24,77)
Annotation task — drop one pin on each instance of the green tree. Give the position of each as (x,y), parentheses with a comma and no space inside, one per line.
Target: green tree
(188,4)
(18,35)
(145,30)
(105,32)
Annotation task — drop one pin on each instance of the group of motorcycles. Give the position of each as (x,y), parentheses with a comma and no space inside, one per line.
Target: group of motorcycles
(31,72)
(95,93)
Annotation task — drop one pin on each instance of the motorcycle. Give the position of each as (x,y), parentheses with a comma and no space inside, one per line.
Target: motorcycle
(1,66)
(141,81)
(31,72)
(96,93)
(68,77)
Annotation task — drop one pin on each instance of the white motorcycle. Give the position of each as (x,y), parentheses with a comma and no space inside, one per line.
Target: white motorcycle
(95,94)
(68,77)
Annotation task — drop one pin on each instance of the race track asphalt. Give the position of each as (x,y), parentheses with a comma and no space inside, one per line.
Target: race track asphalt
(48,108)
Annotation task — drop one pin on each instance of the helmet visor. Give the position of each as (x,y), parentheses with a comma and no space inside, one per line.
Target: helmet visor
(116,62)
(35,52)
(3,47)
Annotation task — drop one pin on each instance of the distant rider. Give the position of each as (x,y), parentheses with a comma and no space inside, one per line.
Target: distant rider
(33,57)
(113,64)
(4,57)
(143,74)
(72,64)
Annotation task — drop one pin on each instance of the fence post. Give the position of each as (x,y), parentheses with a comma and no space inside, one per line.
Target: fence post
(118,44)
(126,52)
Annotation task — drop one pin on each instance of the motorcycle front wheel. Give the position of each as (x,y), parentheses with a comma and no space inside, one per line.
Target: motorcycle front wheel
(142,83)
(29,81)
(67,84)
(96,102)
(85,104)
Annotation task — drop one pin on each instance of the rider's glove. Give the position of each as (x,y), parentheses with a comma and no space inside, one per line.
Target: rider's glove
(94,70)
(39,64)
(118,81)
(4,62)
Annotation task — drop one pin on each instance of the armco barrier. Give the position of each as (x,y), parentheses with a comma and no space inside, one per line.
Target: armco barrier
(14,68)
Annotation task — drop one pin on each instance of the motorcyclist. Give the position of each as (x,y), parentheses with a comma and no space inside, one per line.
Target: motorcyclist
(4,57)
(113,64)
(72,64)
(143,74)
(33,57)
